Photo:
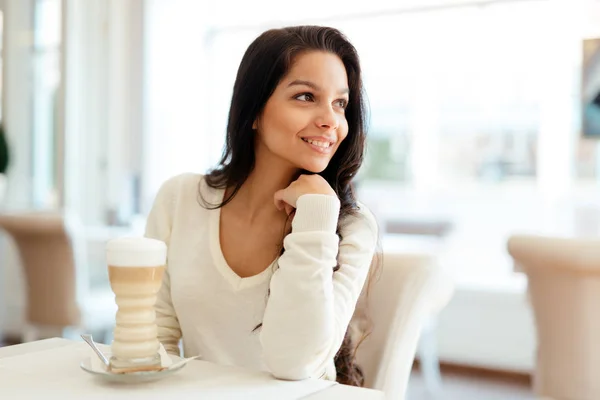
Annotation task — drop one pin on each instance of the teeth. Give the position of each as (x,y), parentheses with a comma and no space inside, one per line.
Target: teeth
(323,145)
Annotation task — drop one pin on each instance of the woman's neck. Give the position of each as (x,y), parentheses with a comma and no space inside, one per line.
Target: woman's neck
(255,197)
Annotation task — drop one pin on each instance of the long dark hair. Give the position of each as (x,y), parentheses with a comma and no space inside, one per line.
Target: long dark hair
(266,61)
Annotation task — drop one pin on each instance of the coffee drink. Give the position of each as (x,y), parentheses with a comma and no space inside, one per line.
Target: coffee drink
(135,270)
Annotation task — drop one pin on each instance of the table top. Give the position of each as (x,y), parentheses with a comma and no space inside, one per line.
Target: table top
(333,392)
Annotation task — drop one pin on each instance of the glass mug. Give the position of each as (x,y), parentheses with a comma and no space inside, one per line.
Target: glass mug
(135,270)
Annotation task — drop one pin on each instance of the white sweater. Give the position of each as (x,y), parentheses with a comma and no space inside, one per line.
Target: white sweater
(214,311)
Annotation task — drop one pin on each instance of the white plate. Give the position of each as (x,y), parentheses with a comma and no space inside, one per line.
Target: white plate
(133,377)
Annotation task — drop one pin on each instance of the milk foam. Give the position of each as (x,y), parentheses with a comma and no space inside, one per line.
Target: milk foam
(136,252)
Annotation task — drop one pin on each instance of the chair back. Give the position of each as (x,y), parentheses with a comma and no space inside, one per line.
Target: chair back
(47,259)
(564,289)
(401,296)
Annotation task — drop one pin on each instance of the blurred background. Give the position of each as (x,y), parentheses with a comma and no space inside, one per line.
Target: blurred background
(484,122)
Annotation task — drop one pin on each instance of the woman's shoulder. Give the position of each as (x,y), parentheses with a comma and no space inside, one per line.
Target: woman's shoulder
(178,183)
(186,186)
(185,182)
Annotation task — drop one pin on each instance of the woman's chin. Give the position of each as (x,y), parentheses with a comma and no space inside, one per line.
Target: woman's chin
(314,167)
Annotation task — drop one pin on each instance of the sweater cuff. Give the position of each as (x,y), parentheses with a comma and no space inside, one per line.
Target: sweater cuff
(316,212)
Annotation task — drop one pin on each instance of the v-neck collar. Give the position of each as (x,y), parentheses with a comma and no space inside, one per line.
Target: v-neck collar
(236,281)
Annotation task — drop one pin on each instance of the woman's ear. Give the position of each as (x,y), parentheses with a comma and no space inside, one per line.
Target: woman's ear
(256,123)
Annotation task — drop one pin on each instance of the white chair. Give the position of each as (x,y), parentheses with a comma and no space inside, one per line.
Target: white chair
(428,234)
(408,291)
(51,248)
(564,290)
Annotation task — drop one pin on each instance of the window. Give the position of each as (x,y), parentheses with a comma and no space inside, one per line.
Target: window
(1,54)
(46,80)
(588,161)
(473,116)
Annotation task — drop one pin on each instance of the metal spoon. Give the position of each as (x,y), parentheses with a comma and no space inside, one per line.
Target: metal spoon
(180,363)
(89,340)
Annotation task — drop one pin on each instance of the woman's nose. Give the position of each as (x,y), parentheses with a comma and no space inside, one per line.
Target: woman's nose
(327,118)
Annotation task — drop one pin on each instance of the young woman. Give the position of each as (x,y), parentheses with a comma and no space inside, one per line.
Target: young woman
(269,252)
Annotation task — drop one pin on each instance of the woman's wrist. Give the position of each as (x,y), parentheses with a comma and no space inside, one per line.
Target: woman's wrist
(316,212)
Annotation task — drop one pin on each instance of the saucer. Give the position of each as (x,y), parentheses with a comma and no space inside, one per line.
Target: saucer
(132,377)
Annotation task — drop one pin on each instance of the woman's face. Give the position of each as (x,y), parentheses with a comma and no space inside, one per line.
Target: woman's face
(304,120)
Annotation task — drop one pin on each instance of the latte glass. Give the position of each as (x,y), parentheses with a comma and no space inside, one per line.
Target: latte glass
(135,270)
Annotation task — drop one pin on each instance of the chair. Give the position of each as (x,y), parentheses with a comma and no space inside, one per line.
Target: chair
(432,231)
(60,301)
(408,291)
(564,290)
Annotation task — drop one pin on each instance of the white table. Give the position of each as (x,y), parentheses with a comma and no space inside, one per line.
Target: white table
(331,393)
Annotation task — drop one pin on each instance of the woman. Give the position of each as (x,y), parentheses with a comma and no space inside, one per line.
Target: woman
(268,253)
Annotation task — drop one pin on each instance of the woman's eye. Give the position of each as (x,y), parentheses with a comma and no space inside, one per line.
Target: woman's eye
(343,103)
(305,97)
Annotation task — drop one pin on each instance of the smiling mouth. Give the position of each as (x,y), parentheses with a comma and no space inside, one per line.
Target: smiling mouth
(318,145)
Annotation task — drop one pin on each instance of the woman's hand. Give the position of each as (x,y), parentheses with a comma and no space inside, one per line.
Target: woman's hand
(286,199)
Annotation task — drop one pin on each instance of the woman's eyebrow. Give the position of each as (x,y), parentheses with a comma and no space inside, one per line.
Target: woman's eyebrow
(300,82)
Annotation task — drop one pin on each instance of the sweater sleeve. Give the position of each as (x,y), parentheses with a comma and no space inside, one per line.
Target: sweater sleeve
(309,307)
(158,226)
